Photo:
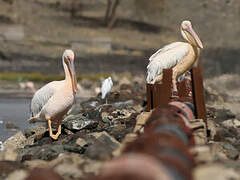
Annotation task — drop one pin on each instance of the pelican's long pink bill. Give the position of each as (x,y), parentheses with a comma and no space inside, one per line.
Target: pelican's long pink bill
(195,36)
(73,75)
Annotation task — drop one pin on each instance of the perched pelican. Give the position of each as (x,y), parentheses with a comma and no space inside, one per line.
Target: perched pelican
(180,56)
(52,101)
(106,87)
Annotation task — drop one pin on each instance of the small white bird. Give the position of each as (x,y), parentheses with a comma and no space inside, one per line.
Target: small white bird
(52,101)
(29,85)
(180,56)
(106,87)
(1,146)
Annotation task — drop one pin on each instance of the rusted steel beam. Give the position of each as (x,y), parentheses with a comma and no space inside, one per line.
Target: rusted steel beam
(178,118)
(198,91)
(191,91)
(149,88)
(165,88)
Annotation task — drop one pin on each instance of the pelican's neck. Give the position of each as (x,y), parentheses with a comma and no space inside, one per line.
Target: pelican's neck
(189,39)
(67,73)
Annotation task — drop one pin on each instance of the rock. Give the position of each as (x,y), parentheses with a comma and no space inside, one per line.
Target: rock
(78,169)
(7,167)
(84,92)
(101,145)
(35,133)
(74,166)
(44,152)
(124,81)
(200,137)
(214,172)
(202,154)
(212,96)
(74,148)
(230,151)
(127,139)
(69,170)
(237,116)
(17,141)
(119,131)
(41,173)
(105,117)
(211,127)
(8,154)
(222,133)
(90,103)
(86,83)
(231,123)
(68,165)
(119,96)
(10,125)
(28,132)
(79,122)
(76,109)
(69,158)
(37,163)
(224,114)
(18,174)
(123,104)
(68,132)
(224,150)
(211,111)
(141,120)
(199,131)
(92,167)
(81,142)
(123,113)
(117,122)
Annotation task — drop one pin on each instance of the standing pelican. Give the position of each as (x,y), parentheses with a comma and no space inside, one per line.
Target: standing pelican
(180,56)
(106,87)
(52,101)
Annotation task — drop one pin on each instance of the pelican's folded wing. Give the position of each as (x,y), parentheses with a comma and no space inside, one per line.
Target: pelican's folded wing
(166,58)
(42,96)
(165,48)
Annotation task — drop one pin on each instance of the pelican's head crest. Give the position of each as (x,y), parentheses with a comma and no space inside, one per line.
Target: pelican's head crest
(185,24)
(189,34)
(68,55)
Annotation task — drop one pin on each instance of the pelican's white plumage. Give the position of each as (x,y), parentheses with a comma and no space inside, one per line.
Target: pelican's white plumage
(179,56)
(165,58)
(106,87)
(42,96)
(52,101)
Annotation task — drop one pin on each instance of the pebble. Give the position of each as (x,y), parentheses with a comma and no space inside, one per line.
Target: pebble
(11,125)
(78,122)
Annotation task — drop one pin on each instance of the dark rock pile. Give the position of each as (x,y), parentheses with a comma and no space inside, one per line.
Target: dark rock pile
(91,133)
(95,132)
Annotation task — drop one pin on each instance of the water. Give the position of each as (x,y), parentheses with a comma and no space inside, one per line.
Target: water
(15,110)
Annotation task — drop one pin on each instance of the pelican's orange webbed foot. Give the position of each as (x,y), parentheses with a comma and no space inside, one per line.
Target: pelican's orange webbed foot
(55,137)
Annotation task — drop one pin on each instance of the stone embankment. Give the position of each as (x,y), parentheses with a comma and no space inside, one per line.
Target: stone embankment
(97,136)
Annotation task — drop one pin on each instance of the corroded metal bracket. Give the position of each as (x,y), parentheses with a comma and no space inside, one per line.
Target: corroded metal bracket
(192,91)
